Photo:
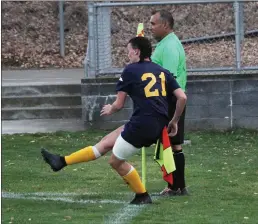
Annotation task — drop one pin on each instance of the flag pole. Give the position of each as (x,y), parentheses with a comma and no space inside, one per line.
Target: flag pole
(144,166)
(140,33)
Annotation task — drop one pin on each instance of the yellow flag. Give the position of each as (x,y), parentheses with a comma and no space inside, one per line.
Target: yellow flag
(140,31)
(164,156)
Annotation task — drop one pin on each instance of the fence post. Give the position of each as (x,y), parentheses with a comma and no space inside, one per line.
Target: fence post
(103,38)
(90,59)
(237,35)
(241,20)
(61,28)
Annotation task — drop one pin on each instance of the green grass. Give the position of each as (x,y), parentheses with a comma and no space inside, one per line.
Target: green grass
(221,172)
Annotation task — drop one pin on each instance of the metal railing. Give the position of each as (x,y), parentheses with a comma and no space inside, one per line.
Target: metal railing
(61,28)
(218,35)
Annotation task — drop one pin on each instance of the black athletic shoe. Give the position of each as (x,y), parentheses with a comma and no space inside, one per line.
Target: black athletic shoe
(169,192)
(174,193)
(56,162)
(140,199)
(184,192)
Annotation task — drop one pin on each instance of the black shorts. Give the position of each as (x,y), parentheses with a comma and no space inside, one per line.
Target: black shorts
(178,139)
(145,131)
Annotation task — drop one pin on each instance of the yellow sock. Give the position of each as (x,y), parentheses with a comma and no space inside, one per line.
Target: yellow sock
(134,181)
(84,155)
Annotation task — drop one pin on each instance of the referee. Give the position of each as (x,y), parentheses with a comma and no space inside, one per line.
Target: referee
(169,53)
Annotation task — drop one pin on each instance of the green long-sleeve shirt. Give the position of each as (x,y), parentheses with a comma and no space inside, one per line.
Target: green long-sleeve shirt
(169,54)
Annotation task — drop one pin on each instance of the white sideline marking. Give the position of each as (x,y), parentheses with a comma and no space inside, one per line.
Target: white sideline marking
(126,214)
(43,197)
(64,194)
(122,216)
(48,194)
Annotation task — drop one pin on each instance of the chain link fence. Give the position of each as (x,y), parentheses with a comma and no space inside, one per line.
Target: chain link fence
(249,54)
(218,36)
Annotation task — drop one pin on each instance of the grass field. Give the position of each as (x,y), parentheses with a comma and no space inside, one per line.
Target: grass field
(221,172)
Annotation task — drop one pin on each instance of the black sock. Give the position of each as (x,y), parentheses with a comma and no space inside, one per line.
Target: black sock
(179,173)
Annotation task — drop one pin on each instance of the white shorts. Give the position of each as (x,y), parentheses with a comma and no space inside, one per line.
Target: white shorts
(123,150)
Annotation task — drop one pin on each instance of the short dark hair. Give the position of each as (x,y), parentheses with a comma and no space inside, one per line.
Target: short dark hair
(165,16)
(144,45)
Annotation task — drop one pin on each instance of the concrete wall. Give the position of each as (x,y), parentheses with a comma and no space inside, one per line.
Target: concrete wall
(214,102)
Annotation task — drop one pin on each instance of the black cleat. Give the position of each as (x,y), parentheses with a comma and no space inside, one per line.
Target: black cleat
(169,192)
(56,162)
(141,199)
(174,193)
(184,192)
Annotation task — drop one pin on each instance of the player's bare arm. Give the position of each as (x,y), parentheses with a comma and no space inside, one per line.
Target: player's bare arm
(116,106)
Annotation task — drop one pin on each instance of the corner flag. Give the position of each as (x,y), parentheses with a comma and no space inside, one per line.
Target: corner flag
(164,156)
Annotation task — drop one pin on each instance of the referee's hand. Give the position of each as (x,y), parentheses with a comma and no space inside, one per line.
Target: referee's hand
(172,128)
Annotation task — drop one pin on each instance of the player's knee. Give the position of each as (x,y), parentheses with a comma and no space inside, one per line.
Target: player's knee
(114,163)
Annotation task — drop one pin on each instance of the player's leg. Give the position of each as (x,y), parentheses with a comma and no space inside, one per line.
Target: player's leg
(83,155)
(121,152)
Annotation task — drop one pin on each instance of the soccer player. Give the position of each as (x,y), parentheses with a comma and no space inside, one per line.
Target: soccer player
(169,54)
(148,85)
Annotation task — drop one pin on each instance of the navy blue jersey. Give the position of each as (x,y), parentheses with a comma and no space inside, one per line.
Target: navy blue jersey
(148,85)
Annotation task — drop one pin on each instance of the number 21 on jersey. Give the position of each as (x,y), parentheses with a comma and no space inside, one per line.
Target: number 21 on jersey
(153,80)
